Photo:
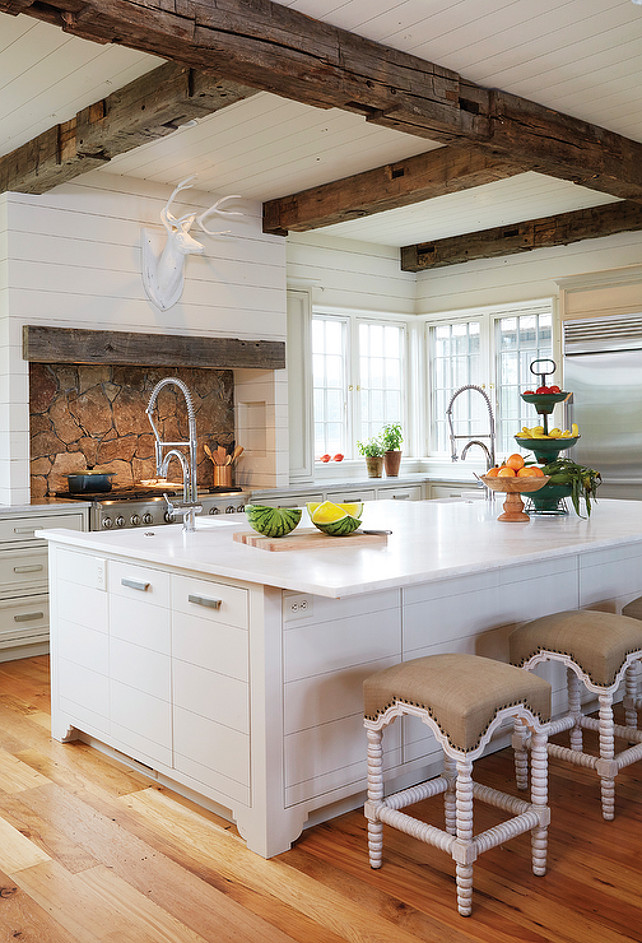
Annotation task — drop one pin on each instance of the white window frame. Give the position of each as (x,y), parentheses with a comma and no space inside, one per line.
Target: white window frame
(487,316)
(355,318)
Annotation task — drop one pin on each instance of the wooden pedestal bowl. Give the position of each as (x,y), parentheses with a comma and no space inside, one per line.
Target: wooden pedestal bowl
(514,488)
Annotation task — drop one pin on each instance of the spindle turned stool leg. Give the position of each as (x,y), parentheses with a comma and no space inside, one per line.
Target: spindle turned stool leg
(463,699)
(600,650)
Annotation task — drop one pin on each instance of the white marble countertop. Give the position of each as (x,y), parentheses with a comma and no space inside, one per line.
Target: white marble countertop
(431,540)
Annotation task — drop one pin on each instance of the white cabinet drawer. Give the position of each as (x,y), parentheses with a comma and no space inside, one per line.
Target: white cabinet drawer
(346,497)
(135,620)
(22,529)
(213,602)
(24,620)
(221,648)
(22,570)
(139,582)
(215,696)
(402,493)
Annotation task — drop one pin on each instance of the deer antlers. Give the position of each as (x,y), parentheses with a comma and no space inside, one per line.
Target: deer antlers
(173,223)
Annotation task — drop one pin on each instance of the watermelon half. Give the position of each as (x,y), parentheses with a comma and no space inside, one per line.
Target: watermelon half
(272,522)
(336,520)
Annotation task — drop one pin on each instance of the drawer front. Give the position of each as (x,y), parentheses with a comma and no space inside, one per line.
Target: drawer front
(403,493)
(214,696)
(138,583)
(24,620)
(22,570)
(291,501)
(22,529)
(210,601)
(346,497)
(134,620)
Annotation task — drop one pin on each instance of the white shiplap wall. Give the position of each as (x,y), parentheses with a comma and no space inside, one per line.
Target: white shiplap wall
(525,276)
(347,274)
(73,260)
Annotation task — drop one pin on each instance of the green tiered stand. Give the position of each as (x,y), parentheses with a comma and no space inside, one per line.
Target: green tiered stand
(548,500)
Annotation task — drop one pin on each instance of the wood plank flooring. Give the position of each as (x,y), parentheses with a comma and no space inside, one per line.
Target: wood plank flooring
(91,852)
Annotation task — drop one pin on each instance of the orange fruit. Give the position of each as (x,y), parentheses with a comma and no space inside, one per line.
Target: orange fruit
(506,472)
(492,472)
(530,471)
(515,461)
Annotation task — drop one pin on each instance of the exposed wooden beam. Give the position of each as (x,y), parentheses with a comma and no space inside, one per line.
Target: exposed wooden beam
(522,237)
(74,345)
(150,107)
(273,47)
(445,170)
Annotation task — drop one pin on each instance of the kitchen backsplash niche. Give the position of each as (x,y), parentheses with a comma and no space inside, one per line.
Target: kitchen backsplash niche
(83,415)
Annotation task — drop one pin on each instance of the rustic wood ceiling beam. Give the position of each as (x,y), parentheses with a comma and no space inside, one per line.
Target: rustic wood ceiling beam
(435,173)
(275,48)
(149,108)
(541,233)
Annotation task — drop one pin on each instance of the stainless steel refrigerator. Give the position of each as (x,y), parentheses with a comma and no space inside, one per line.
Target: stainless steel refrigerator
(603,370)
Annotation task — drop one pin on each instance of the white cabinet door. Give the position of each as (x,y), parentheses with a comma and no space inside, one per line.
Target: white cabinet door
(348,495)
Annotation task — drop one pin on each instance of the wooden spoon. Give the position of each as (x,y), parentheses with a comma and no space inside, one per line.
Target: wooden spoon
(221,454)
(236,453)
(209,452)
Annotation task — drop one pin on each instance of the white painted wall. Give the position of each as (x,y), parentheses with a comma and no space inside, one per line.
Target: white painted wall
(522,277)
(347,274)
(71,258)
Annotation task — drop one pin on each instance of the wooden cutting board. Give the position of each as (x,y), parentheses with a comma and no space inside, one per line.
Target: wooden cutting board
(310,540)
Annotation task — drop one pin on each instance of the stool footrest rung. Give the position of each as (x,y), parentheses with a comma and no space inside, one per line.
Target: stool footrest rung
(625,733)
(560,725)
(505,830)
(411,826)
(626,757)
(572,756)
(500,800)
(432,787)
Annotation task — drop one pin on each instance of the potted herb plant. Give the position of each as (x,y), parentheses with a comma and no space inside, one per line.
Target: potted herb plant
(392,437)
(373,451)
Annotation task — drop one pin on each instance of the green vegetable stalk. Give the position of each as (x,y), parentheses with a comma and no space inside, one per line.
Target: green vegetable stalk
(582,480)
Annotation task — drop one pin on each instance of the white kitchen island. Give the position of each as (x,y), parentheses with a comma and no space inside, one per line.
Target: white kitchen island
(234,674)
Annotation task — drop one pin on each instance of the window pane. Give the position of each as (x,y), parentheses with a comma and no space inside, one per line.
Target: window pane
(381,369)
(455,360)
(329,372)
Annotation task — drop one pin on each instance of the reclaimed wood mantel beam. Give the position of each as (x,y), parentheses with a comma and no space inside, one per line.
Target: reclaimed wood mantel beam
(275,48)
(41,344)
(523,237)
(435,173)
(149,108)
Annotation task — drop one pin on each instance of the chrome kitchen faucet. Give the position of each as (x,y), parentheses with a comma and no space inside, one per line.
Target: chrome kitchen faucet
(189,506)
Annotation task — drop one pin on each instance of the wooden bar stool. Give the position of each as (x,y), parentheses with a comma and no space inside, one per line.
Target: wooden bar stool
(600,650)
(463,699)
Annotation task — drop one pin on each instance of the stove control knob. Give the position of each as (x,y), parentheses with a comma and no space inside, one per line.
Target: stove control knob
(147,518)
(120,521)
(215,511)
(107,522)
(168,517)
(134,520)
(230,509)
(240,507)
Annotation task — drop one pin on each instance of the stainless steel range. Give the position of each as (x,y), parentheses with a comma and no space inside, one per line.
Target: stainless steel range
(141,507)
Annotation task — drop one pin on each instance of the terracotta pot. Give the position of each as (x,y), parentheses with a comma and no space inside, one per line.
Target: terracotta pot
(391,463)
(374,464)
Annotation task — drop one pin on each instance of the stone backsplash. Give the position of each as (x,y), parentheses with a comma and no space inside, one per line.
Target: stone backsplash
(86,416)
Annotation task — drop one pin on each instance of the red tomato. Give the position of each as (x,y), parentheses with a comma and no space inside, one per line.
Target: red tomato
(338,457)
(554,389)
(542,389)
(529,392)
(325,458)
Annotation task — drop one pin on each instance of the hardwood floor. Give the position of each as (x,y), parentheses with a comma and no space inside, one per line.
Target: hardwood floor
(91,851)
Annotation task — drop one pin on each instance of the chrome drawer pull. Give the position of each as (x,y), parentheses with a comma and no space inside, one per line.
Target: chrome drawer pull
(32,568)
(25,530)
(28,617)
(135,584)
(400,497)
(205,601)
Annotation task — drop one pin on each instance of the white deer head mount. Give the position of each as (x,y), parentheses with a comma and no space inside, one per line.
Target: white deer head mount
(163,274)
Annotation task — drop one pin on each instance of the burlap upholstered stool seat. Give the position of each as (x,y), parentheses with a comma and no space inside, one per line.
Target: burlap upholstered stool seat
(599,650)
(463,699)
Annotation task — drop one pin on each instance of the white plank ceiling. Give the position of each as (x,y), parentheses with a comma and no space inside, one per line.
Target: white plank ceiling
(583,57)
